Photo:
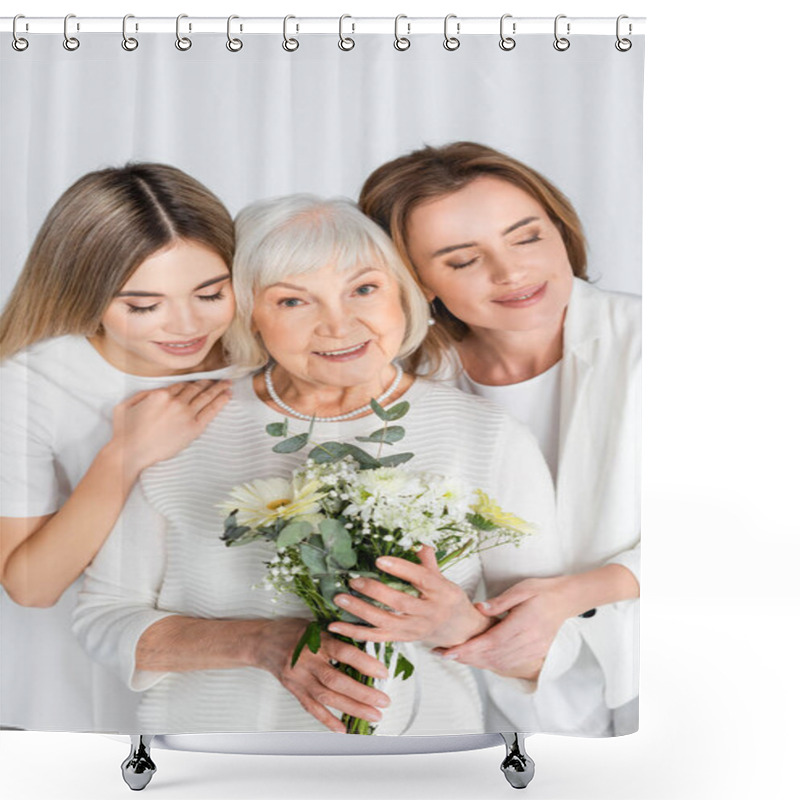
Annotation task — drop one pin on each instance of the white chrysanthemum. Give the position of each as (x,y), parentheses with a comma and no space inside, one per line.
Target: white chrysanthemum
(263,502)
(383,482)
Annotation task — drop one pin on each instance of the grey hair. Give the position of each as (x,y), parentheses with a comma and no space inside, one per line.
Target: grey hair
(302,233)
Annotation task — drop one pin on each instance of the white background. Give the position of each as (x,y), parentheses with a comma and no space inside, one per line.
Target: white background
(720,697)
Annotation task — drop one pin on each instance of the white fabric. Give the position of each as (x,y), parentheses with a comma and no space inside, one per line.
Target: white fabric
(264,122)
(165,557)
(56,402)
(534,402)
(597,495)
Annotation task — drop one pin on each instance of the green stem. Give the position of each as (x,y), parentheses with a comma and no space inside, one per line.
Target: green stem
(354,724)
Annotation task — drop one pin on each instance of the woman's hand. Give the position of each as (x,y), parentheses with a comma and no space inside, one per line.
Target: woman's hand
(313,680)
(516,646)
(442,615)
(157,424)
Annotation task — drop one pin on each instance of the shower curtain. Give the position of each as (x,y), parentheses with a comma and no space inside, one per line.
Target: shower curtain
(252,115)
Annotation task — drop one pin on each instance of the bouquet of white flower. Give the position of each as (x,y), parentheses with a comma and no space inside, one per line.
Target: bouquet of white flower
(342,510)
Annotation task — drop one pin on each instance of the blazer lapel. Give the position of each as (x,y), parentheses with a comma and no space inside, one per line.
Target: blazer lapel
(581,331)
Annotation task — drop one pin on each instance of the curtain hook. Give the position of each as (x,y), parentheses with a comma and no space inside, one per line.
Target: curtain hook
(70,42)
(290,45)
(561,43)
(401,42)
(345,42)
(507,42)
(128,42)
(623,45)
(18,43)
(182,42)
(451,42)
(234,45)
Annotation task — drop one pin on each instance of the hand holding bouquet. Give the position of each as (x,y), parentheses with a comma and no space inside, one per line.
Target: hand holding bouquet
(342,511)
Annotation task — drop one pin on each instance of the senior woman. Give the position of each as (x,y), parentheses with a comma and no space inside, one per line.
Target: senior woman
(326,305)
(501,256)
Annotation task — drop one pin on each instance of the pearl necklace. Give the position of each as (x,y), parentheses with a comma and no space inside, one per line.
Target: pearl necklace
(339,417)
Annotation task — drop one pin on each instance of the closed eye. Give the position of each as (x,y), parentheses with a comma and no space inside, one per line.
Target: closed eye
(533,238)
(141,309)
(210,298)
(462,264)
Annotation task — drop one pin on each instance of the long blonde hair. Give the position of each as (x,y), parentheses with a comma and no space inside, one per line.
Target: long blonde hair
(396,188)
(95,237)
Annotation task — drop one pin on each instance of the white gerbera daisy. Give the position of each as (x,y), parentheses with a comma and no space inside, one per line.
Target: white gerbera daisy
(263,502)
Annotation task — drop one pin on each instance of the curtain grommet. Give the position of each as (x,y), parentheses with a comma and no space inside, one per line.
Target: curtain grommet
(70,43)
(233,44)
(401,43)
(507,43)
(622,44)
(289,44)
(19,43)
(183,43)
(451,43)
(561,43)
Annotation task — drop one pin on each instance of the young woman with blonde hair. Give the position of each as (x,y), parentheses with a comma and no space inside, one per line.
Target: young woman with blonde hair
(126,290)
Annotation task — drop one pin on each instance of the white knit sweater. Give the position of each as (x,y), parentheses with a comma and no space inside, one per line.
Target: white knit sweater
(165,557)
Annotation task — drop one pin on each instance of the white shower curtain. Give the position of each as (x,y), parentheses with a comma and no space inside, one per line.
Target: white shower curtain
(264,122)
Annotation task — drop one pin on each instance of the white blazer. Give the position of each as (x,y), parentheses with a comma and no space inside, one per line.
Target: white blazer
(598,487)
(598,493)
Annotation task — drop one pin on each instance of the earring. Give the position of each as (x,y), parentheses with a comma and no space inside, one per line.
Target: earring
(431,320)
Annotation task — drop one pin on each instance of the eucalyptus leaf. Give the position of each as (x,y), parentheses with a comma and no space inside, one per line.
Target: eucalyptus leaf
(363,458)
(397,411)
(311,638)
(294,533)
(378,409)
(230,520)
(291,445)
(328,452)
(241,535)
(313,558)
(396,459)
(278,428)
(329,587)
(332,531)
(390,435)
(343,555)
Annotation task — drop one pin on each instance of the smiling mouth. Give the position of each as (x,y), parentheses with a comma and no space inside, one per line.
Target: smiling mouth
(522,295)
(344,354)
(184,348)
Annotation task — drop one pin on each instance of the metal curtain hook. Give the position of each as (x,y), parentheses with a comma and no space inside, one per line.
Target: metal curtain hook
(290,45)
(234,45)
(182,42)
(507,42)
(70,42)
(345,42)
(18,43)
(401,42)
(451,42)
(561,43)
(623,45)
(128,42)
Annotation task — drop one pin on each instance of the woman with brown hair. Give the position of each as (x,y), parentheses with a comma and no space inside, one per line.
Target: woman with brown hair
(126,290)
(501,256)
